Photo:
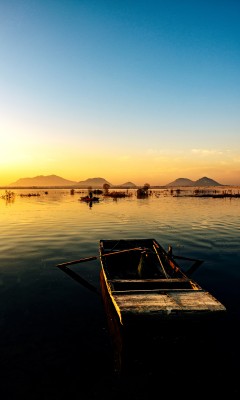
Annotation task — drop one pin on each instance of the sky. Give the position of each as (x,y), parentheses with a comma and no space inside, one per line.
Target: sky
(145,91)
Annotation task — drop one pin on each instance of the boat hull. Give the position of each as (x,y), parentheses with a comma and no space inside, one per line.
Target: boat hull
(161,298)
(157,318)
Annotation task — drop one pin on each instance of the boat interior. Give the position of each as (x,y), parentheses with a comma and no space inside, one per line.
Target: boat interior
(140,266)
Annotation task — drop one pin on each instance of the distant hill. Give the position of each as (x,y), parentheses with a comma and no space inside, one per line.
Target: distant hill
(181,182)
(206,182)
(188,182)
(57,181)
(94,182)
(128,185)
(41,180)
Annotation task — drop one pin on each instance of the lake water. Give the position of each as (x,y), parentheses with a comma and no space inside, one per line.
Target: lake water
(55,342)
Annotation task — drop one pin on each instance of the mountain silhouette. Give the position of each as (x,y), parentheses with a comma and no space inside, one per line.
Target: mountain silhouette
(94,182)
(181,182)
(200,182)
(206,182)
(128,185)
(57,181)
(41,180)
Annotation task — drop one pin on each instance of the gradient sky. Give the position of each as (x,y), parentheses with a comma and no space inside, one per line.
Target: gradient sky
(136,90)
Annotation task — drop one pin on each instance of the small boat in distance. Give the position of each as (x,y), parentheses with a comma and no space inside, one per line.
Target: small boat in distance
(144,282)
(89,199)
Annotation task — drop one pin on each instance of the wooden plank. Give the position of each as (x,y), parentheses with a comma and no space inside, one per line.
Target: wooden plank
(168,302)
(149,280)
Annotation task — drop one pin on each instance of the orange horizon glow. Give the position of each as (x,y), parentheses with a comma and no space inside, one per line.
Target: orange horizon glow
(117,172)
(81,98)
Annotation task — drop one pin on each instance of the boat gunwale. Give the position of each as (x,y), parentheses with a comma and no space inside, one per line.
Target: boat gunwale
(195,307)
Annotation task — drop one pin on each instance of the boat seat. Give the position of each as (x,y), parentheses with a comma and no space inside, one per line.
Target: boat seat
(141,284)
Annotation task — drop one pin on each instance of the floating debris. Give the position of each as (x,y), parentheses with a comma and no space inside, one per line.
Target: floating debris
(29,194)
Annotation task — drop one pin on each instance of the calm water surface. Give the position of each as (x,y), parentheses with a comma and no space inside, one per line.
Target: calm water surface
(54,338)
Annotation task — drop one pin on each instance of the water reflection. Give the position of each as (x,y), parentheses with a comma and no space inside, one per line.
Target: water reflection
(8,196)
(51,324)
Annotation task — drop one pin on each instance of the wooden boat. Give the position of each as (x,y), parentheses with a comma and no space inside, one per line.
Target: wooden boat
(155,310)
(174,350)
(144,282)
(89,199)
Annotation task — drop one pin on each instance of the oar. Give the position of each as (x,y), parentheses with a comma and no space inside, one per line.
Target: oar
(77,261)
(96,257)
(194,267)
(79,279)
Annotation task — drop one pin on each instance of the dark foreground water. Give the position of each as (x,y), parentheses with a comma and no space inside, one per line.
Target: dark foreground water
(54,338)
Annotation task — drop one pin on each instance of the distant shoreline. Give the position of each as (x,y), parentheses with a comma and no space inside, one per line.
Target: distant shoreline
(214,187)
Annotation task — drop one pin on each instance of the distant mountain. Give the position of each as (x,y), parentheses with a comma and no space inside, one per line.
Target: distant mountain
(206,182)
(94,183)
(57,181)
(41,180)
(181,182)
(188,182)
(128,185)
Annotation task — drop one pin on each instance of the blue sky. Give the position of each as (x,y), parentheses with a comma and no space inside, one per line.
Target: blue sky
(146,91)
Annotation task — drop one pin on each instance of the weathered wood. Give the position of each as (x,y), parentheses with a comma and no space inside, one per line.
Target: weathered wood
(174,296)
(160,261)
(169,302)
(173,280)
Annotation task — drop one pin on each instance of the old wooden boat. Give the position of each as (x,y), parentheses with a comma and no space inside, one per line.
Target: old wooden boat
(155,310)
(144,282)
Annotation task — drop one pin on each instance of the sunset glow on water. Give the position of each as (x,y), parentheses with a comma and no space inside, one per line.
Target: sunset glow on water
(41,305)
